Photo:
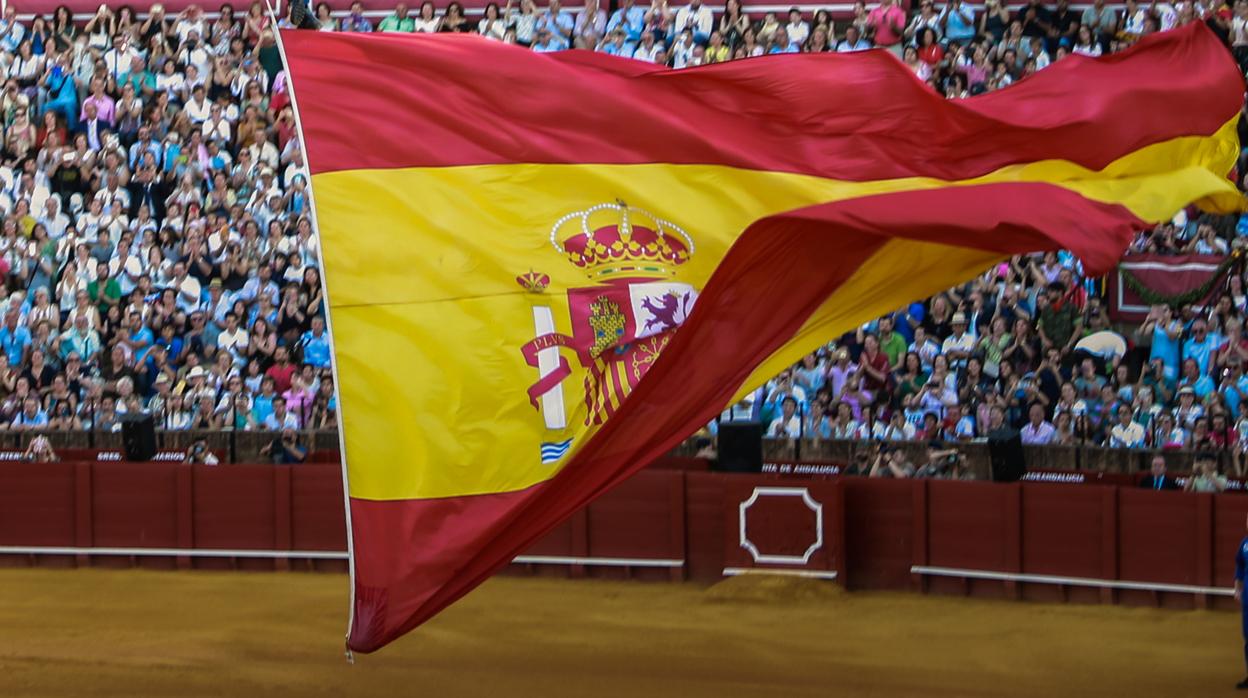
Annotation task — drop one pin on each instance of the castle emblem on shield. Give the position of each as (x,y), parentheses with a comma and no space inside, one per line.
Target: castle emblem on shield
(620,321)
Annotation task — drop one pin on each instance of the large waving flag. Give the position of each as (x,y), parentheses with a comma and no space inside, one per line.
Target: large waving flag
(512,239)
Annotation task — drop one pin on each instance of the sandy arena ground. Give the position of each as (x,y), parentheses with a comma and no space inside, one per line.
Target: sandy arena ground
(132,633)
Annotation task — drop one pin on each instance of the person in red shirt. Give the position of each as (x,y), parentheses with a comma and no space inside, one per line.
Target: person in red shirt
(887,23)
(281,370)
(930,50)
(874,365)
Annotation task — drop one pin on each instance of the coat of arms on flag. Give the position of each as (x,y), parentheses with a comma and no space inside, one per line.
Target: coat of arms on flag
(619,324)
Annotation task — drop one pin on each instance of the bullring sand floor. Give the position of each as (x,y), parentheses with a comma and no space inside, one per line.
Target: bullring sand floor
(134,633)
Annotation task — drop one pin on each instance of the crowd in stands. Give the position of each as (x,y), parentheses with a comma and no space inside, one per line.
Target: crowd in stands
(156,250)
(1026,347)
(960,49)
(158,255)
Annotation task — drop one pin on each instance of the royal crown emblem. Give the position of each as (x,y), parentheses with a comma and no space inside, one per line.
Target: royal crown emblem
(617,240)
(621,323)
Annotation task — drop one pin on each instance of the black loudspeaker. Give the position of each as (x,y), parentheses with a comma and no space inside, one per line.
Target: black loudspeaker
(1005,448)
(740,447)
(138,437)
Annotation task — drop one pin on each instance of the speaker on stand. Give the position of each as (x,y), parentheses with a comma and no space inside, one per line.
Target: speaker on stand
(1005,449)
(740,447)
(138,436)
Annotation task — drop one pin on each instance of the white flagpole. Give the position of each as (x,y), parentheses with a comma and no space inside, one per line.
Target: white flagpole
(329,325)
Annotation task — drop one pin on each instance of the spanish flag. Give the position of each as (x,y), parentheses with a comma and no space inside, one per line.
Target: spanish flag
(545,270)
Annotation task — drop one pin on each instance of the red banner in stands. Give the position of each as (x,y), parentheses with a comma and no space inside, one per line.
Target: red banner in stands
(1165,275)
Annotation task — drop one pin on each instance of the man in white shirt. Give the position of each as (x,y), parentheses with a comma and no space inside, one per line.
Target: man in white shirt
(1127,433)
(190,23)
(1037,431)
(198,108)
(281,418)
(233,338)
(125,266)
(117,60)
(935,397)
(216,128)
(959,345)
(797,29)
(787,425)
(53,219)
(195,54)
(649,49)
(698,17)
(186,287)
(113,192)
(924,347)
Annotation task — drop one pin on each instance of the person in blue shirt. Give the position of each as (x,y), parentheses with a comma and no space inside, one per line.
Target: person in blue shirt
(1241,572)
(1234,387)
(907,319)
(14,338)
(145,144)
(782,43)
(632,20)
(560,23)
(853,41)
(615,44)
(1166,331)
(957,22)
(11,31)
(315,344)
(141,338)
(356,21)
(546,42)
(1199,382)
(1201,346)
(32,416)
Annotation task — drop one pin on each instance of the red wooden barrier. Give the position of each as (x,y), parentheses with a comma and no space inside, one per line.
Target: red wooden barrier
(1024,540)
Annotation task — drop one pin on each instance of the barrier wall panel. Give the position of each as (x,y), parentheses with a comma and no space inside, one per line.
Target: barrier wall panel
(704,525)
(787,524)
(873,530)
(37,504)
(233,510)
(967,525)
(1229,514)
(1062,530)
(558,542)
(1157,536)
(316,508)
(134,505)
(879,533)
(634,520)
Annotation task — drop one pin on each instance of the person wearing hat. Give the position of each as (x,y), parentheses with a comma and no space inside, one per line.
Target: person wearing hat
(196,386)
(1188,410)
(958,346)
(162,388)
